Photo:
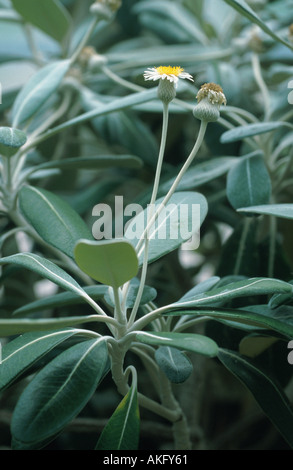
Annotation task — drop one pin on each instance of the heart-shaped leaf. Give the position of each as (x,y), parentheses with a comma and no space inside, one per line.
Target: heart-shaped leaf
(111,262)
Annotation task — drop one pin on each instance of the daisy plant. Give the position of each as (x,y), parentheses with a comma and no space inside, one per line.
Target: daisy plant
(92,112)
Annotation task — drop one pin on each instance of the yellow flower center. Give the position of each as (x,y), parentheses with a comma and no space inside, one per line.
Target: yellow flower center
(169,70)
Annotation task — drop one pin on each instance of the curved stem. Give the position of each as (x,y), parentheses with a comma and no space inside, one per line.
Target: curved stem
(125,83)
(84,40)
(151,211)
(173,188)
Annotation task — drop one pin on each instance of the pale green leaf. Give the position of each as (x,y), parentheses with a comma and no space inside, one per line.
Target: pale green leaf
(284,211)
(38,90)
(187,342)
(11,140)
(250,130)
(111,262)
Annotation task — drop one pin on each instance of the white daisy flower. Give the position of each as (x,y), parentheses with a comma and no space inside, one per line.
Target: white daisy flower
(170,73)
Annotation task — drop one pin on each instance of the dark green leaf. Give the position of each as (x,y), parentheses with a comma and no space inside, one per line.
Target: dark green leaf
(234,290)
(61,300)
(237,318)
(46,269)
(174,363)
(53,218)
(20,354)
(249,183)
(92,163)
(122,430)
(58,393)
(50,16)
(16,327)
(265,390)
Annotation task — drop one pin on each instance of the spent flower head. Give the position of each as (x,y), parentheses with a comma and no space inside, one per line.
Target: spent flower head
(210,97)
(169,77)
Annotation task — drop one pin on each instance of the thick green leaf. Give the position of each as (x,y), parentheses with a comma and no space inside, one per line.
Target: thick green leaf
(122,429)
(280,299)
(279,210)
(250,130)
(38,90)
(265,390)
(182,217)
(60,300)
(20,354)
(111,262)
(46,269)
(189,342)
(237,318)
(243,288)
(248,183)
(245,10)
(11,140)
(10,327)
(174,363)
(200,288)
(58,393)
(53,218)
(50,16)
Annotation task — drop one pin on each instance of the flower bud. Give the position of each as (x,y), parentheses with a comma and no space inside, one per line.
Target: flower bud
(210,97)
(166,91)
(11,140)
(105,9)
(90,60)
(96,62)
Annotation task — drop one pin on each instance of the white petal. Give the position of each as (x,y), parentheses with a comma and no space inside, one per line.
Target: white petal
(186,75)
